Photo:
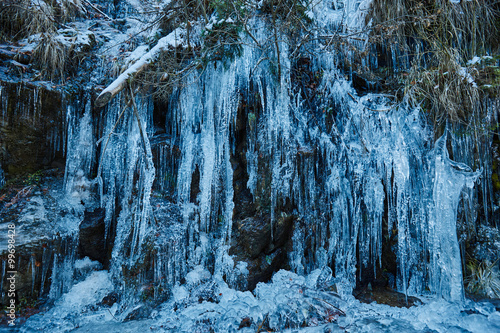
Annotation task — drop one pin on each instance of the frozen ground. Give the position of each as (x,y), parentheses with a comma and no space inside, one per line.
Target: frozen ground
(289,303)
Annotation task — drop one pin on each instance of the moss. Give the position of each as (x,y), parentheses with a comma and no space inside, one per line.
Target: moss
(488,79)
(496,181)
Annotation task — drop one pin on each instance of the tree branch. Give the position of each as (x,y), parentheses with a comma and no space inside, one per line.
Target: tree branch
(171,40)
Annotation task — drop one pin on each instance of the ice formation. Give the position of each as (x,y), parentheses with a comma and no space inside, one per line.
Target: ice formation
(373,164)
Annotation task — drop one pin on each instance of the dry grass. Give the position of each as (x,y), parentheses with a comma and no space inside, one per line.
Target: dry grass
(68,10)
(469,26)
(52,56)
(23,18)
(434,39)
(39,18)
(445,91)
(483,279)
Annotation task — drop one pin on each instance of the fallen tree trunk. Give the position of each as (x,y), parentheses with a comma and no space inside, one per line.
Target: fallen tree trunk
(174,39)
(119,84)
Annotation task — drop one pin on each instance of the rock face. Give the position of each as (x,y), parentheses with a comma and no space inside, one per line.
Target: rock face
(44,245)
(386,296)
(255,235)
(264,253)
(32,127)
(34,267)
(92,236)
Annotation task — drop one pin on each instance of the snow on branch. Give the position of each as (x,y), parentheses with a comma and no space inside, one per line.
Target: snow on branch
(174,39)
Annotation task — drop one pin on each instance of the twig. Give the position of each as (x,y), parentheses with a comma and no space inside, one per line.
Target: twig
(333,306)
(262,323)
(112,315)
(140,127)
(98,10)
(354,99)
(257,65)
(99,167)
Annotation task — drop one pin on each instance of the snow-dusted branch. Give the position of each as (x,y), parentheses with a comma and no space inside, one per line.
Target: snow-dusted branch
(174,39)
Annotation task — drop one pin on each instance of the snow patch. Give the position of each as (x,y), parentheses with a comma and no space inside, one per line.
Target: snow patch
(88,292)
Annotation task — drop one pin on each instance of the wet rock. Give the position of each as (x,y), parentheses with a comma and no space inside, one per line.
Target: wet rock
(140,312)
(33,267)
(262,268)
(13,52)
(282,231)
(243,200)
(496,303)
(35,276)
(245,322)
(386,296)
(32,127)
(486,245)
(195,185)
(166,157)
(363,84)
(38,225)
(110,299)
(254,235)
(263,252)
(92,236)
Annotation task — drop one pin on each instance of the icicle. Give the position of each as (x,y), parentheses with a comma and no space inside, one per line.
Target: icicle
(62,268)
(80,155)
(46,263)
(449,179)
(2,177)
(32,267)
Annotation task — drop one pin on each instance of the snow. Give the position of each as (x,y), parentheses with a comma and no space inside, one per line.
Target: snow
(74,37)
(72,309)
(225,20)
(41,216)
(86,263)
(476,60)
(136,4)
(138,53)
(464,73)
(180,293)
(85,293)
(35,211)
(198,275)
